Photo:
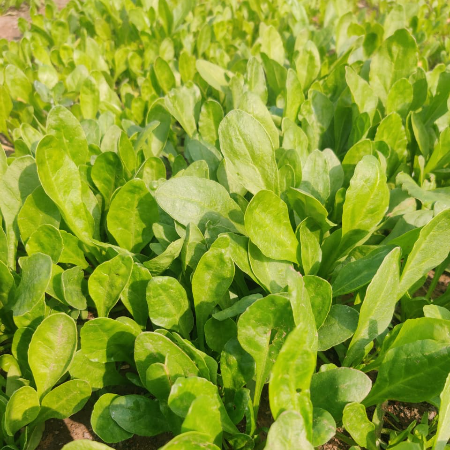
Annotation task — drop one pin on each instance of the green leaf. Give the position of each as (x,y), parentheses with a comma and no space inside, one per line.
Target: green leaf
(107,175)
(65,400)
(69,135)
(249,151)
(219,332)
(253,105)
(73,285)
(185,390)
(324,427)
(339,326)
(98,375)
(108,281)
(36,274)
(183,103)
(270,273)
(46,240)
(362,92)
(133,295)
(132,213)
(333,389)
(210,283)
(106,340)
(311,253)
(38,209)
(391,131)
(211,115)
(292,372)
(213,74)
(153,350)
(361,429)
(51,350)
(320,296)
(266,211)
(22,408)
(89,98)
(197,200)
(413,372)
(307,64)
(256,79)
(190,441)
(429,250)
(18,84)
(196,420)
(356,274)
(168,305)
(61,181)
(366,201)
(72,250)
(288,431)
(400,97)
(305,205)
(443,428)
(396,58)
(103,424)
(377,308)
(6,106)
(164,75)
(138,415)
(17,183)
(262,330)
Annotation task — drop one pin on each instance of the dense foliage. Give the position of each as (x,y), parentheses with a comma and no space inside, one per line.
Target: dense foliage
(234,193)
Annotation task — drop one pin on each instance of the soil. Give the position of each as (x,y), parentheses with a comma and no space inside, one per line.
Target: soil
(8,21)
(60,432)
(441,287)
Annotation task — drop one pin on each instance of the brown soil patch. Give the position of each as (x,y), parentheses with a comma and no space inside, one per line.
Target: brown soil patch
(60,432)
(8,21)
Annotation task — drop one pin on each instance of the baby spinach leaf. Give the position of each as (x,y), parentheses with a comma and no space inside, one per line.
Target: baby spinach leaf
(359,426)
(131,216)
(46,240)
(38,209)
(106,340)
(103,424)
(378,307)
(200,201)
(137,414)
(51,351)
(443,428)
(168,305)
(430,250)
(64,400)
(413,372)
(133,295)
(61,181)
(291,375)
(191,440)
(340,325)
(395,59)
(210,283)
(267,211)
(108,281)
(69,134)
(22,408)
(249,151)
(36,273)
(272,317)
(333,389)
(288,430)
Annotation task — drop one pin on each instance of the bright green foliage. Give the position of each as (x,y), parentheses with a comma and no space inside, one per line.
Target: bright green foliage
(218,196)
